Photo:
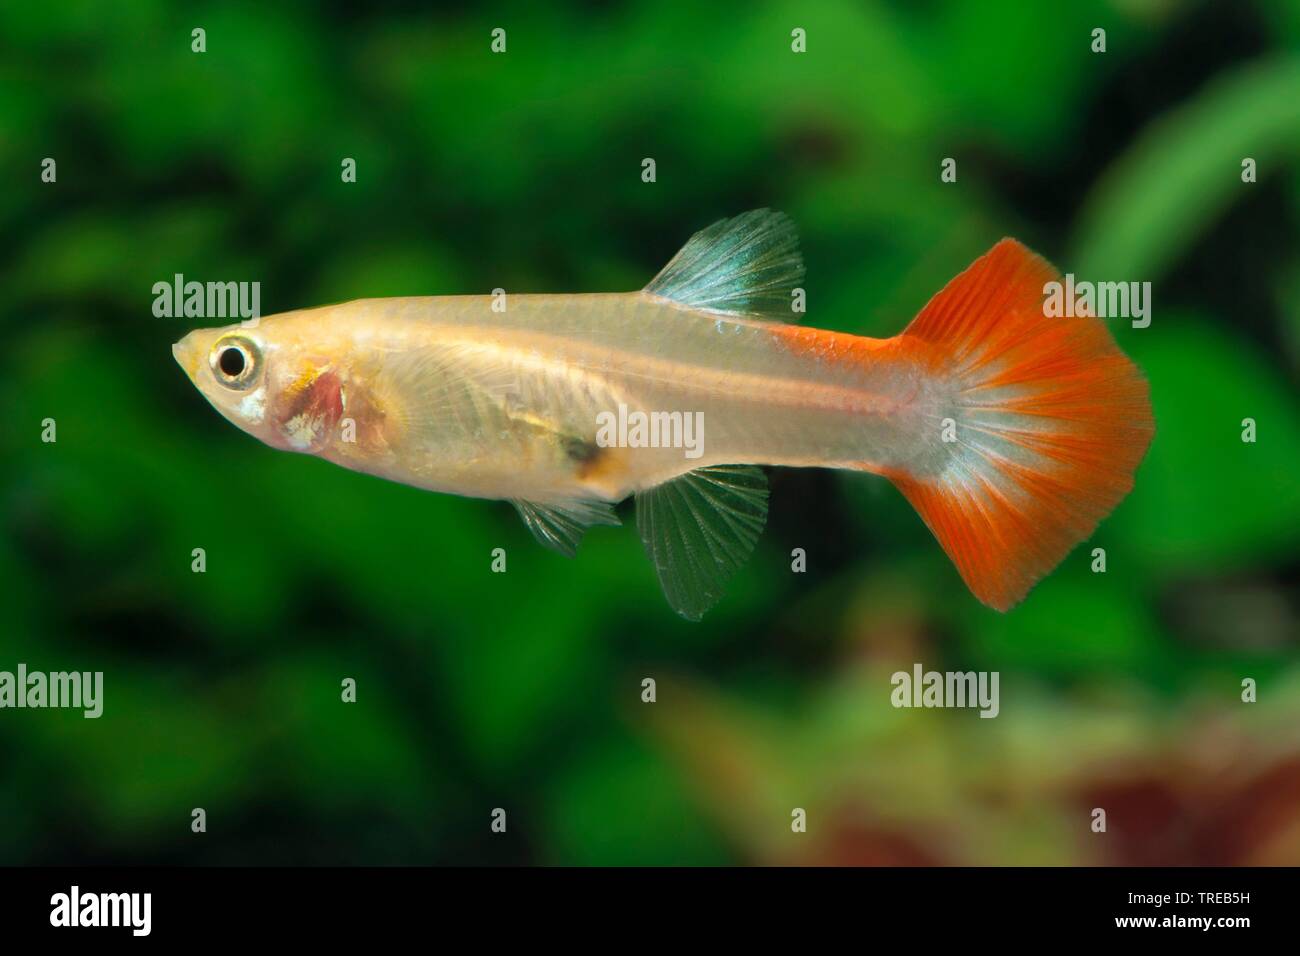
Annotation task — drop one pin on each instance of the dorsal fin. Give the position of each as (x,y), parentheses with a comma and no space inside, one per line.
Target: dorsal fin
(748,265)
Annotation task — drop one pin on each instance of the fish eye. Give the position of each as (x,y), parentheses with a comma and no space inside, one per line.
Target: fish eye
(231,361)
(236,361)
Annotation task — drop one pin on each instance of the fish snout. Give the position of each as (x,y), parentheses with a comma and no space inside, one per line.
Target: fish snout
(187,353)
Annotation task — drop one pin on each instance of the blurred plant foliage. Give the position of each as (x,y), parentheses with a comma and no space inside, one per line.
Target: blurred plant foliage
(522,690)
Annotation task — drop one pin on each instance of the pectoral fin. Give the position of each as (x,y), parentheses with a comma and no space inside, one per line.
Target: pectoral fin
(560,526)
(699,529)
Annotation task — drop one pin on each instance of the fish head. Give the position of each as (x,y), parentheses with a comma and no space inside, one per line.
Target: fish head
(229,366)
(264,384)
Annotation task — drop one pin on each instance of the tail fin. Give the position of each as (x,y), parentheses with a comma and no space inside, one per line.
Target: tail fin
(1051,422)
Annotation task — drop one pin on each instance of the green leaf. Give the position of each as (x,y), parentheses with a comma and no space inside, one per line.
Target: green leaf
(1186,169)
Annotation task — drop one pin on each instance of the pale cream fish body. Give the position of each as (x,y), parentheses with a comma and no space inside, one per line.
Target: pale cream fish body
(529,397)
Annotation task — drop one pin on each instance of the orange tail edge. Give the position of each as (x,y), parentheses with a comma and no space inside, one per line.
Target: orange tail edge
(1051,422)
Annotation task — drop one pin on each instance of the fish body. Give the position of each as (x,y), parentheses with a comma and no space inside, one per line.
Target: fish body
(983,412)
(448,395)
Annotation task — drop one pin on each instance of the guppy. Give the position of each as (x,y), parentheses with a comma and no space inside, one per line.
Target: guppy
(1012,433)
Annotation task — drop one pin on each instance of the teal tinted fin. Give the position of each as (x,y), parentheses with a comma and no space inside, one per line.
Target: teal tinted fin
(699,529)
(748,265)
(560,526)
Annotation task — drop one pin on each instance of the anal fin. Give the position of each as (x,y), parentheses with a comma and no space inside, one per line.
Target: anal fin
(699,529)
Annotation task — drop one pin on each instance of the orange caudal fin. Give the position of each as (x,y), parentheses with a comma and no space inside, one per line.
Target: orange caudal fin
(1049,422)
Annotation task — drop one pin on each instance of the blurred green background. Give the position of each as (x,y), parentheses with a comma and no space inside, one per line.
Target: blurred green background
(522,690)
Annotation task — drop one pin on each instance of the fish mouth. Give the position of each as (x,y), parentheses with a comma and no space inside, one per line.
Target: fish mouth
(187,354)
